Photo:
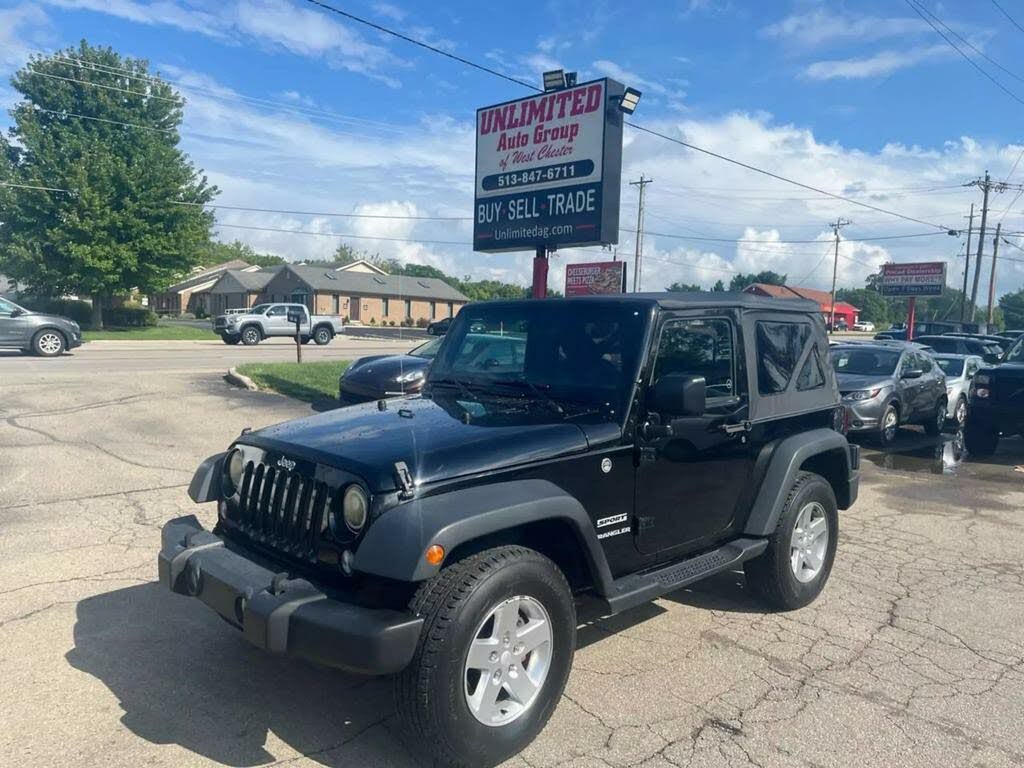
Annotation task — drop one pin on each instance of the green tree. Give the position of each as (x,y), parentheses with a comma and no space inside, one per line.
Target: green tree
(1012,306)
(872,305)
(119,224)
(718,287)
(741,280)
(678,287)
(214,253)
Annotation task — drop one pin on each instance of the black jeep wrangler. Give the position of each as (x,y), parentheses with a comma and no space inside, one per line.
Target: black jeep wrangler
(603,449)
(996,403)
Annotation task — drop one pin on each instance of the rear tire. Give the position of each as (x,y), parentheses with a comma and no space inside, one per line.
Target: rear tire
(251,336)
(934,425)
(468,606)
(322,336)
(981,439)
(48,343)
(793,570)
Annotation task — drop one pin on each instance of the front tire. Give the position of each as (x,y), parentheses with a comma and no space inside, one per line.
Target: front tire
(793,570)
(980,438)
(229,340)
(497,645)
(960,413)
(934,425)
(48,343)
(888,425)
(251,336)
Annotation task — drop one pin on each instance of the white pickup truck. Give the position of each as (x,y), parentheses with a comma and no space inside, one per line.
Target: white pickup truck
(266,320)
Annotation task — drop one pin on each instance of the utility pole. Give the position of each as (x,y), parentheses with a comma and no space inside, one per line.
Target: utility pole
(992,278)
(985,185)
(967,265)
(639,230)
(839,223)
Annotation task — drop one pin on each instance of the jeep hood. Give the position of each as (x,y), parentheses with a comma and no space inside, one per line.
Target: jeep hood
(438,438)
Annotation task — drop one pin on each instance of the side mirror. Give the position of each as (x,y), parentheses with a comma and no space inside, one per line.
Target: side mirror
(677,394)
(912,373)
(17,312)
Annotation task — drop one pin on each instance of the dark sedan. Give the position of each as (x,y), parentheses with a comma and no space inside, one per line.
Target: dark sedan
(379,376)
(440,327)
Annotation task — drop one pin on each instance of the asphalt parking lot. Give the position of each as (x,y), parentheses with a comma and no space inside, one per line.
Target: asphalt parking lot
(913,656)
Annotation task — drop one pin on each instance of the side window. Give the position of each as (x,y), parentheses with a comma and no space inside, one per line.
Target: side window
(277,311)
(779,346)
(924,362)
(811,376)
(699,348)
(6,307)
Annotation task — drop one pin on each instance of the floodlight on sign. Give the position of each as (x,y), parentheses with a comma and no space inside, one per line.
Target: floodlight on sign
(629,101)
(554,80)
(570,79)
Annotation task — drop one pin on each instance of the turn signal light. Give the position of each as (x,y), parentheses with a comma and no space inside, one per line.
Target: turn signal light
(435,554)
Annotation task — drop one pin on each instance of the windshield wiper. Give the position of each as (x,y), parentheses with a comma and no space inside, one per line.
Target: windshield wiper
(452,381)
(535,389)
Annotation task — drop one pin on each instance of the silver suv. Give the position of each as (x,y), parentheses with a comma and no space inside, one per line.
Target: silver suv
(35,332)
(887,384)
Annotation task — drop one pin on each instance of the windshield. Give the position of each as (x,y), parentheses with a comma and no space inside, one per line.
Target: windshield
(1016,352)
(950,366)
(865,362)
(561,352)
(259,309)
(428,350)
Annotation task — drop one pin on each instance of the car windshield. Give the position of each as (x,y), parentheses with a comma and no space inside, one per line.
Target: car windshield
(579,352)
(1016,352)
(951,366)
(865,362)
(428,350)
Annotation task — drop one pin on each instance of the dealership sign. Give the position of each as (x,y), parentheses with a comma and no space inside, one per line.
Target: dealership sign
(595,278)
(921,279)
(548,170)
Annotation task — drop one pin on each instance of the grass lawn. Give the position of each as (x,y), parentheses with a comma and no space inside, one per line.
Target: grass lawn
(152,333)
(306,381)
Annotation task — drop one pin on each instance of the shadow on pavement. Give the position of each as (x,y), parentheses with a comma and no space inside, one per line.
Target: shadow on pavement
(182,677)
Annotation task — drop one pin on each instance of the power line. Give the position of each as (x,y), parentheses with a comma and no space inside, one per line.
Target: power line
(37,108)
(920,12)
(339,234)
(30,186)
(1008,16)
(325,213)
(107,87)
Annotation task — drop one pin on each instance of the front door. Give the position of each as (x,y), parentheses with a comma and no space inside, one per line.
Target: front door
(689,484)
(353,308)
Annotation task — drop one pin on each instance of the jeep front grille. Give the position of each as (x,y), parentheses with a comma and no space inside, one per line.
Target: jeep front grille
(280,508)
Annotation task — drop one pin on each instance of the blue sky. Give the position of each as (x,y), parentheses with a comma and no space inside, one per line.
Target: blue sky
(293,108)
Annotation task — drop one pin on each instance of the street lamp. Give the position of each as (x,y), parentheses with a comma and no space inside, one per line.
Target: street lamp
(554,80)
(629,101)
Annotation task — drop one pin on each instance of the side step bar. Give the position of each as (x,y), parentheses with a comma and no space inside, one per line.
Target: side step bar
(636,589)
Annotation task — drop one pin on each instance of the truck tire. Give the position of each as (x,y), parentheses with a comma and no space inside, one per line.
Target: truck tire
(322,335)
(469,705)
(980,437)
(231,340)
(933,427)
(48,343)
(793,570)
(251,335)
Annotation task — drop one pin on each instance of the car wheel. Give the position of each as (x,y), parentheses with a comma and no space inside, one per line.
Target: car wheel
(494,655)
(935,424)
(322,336)
(251,336)
(960,413)
(793,570)
(981,438)
(888,425)
(48,343)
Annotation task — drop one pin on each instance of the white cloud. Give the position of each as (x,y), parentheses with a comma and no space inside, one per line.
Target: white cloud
(610,69)
(876,65)
(820,26)
(390,11)
(20,27)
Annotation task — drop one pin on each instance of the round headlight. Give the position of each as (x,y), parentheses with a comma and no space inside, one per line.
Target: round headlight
(234,468)
(355,508)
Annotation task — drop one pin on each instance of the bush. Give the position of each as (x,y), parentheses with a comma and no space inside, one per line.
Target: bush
(129,316)
(200,314)
(391,323)
(373,321)
(79,311)
(422,322)
(186,316)
(407,323)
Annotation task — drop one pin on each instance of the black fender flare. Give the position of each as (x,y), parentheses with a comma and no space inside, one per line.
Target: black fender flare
(395,543)
(786,460)
(205,484)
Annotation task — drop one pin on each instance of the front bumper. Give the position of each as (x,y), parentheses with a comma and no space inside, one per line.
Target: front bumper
(865,415)
(74,339)
(1006,419)
(281,615)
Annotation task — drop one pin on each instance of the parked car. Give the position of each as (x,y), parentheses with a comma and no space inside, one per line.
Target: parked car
(997,403)
(35,332)
(932,328)
(840,325)
(1012,335)
(887,385)
(642,443)
(1000,341)
(960,371)
(379,376)
(865,326)
(440,327)
(267,320)
(963,345)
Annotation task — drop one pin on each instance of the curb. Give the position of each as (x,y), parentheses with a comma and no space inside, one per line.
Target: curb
(237,379)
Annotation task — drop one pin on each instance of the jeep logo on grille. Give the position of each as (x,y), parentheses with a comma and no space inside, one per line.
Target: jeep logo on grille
(286,464)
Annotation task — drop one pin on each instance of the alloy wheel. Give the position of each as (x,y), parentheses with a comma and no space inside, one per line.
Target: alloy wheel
(508,661)
(50,344)
(889,425)
(960,414)
(809,542)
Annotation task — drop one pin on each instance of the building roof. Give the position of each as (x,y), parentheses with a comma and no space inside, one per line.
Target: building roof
(208,275)
(822,298)
(334,281)
(361,265)
(244,281)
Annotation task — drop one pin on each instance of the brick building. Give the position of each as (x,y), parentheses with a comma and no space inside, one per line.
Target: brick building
(192,293)
(845,311)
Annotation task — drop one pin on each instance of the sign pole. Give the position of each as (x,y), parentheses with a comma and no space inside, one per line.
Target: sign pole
(911,311)
(540,273)
(298,340)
